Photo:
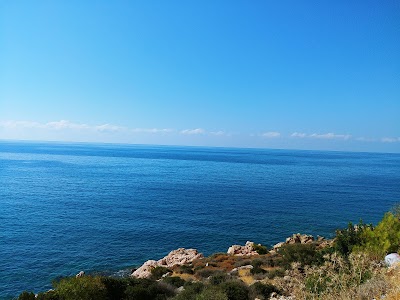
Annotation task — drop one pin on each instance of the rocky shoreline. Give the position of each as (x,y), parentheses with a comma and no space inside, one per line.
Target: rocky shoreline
(184,256)
(361,262)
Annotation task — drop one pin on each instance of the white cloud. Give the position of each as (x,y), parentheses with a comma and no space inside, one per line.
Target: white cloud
(298,135)
(152,130)
(390,140)
(193,131)
(109,127)
(64,124)
(330,136)
(270,134)
(20,124)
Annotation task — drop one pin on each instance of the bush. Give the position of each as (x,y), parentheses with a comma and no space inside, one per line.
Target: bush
(26,296)
(263,289)
(83,288)
(352,236)
(218,278)
(235,290)
(190,292)
(186,269)
(174,281)
(305,254)
(260,249)
(276,273)
(50,295)
(144,289)
(115,287)
(158,272)
(212,293)
(257,263)
(383,239)
(205,273)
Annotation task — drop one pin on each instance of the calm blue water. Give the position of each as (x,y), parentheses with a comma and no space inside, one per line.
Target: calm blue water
(71,207)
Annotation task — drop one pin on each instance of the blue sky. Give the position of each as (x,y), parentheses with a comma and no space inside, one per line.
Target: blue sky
(273,74)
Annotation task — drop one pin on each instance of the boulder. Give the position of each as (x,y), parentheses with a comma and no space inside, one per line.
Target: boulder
(245,250)
(300,239)
(145,270)
(392,258)
(180,256)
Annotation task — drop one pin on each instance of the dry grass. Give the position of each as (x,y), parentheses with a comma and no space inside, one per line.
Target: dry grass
(393,277)
(245,276)
(358,278)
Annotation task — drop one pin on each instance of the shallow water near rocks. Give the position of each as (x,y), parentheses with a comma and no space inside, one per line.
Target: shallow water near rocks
(107,208)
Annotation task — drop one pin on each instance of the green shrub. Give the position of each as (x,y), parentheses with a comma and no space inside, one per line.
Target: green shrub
(218,278)
(316,283)
(190,292)
(257,263)
(352,236)
(235,290)
(50,295)
(383,239)
(260,249)
(276,273)
(263,289)
(26,296)
(174,281)
(205,273)
(83,288)
(186,269)
(144,289)
(257,270)
(212,293)
(115,287)
(158,272)
(305,254)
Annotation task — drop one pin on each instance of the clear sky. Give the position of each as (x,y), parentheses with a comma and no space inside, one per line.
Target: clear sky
(274,74)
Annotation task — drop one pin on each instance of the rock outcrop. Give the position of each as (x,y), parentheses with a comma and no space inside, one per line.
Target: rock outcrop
(245,250)
(180,256)
(296,239)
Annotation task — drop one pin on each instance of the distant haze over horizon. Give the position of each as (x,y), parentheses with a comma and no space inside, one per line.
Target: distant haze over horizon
(149,146)
(286,75)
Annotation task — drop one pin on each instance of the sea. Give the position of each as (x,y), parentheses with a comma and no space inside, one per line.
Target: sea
(107,208)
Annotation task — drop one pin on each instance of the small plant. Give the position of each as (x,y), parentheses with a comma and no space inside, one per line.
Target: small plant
(263,290)
(50,295)
(305,254)
(191,291)
(276,273)
(212,293)
(242,262)
(185,269)
(26,296)
(260,249)
(205,273)
(218,278)
(158,272)
(174,281)
(235,290)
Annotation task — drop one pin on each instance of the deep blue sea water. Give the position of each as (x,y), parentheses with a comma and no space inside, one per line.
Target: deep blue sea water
(71,207)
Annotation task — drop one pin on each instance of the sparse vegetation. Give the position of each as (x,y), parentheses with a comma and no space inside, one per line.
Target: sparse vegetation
(349,268)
